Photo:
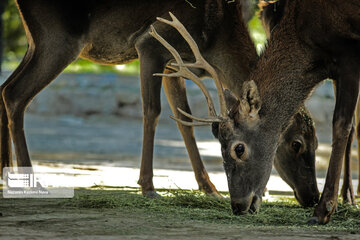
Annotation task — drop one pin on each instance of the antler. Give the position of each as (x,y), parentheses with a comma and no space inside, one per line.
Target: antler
(184,72)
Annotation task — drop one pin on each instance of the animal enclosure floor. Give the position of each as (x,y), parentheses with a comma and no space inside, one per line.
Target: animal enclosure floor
(124,214)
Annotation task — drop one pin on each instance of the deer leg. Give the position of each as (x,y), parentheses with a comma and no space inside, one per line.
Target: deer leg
(176,95)
(5,140)
(357,129)
(45,62)
(347,189)
(347,90)
(150,93)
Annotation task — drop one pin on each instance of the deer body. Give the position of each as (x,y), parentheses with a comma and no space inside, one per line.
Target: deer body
(116,32)
(111,32)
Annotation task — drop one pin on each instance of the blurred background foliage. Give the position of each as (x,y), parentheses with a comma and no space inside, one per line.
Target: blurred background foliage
(15,44)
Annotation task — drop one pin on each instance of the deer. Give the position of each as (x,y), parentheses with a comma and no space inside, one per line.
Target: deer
(270,15)
(313,41)
(102,34)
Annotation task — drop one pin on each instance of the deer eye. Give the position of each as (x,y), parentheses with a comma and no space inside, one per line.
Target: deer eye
(238,151)
(296,145)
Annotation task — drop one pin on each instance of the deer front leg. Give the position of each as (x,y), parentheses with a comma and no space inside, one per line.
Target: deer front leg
(347,87)
(150,93)
(176,94)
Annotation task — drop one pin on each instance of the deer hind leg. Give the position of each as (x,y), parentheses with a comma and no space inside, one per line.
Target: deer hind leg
(43,63)
(357,129)
(150,93)
(346,97)
(5,140)
(176,95)
(347,189)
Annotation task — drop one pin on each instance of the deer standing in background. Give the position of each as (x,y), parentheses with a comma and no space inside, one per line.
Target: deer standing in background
(314,40)
(58,32)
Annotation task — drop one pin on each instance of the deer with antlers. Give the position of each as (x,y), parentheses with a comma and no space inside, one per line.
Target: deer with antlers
(102,34)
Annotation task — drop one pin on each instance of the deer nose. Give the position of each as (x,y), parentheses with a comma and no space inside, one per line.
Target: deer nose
(308,198)
(249,204)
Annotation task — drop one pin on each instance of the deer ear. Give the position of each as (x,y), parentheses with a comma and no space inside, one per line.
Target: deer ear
(250,102)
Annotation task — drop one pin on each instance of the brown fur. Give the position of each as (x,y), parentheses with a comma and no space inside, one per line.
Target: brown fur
(314,40)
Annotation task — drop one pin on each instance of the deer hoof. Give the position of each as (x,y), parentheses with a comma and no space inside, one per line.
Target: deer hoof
(348,197)
(215,195)
(152,194)
(313,221)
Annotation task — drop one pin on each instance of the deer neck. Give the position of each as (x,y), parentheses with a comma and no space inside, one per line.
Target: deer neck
(286,74)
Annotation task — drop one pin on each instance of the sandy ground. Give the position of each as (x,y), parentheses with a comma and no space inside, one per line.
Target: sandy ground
(52,219)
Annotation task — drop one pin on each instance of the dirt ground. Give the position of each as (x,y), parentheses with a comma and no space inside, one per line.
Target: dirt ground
(57,219)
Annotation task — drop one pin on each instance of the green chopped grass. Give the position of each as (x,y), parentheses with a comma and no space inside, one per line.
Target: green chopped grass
(194,205)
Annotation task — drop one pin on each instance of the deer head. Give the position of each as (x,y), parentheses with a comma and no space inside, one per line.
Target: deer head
(295,158)
(238,143)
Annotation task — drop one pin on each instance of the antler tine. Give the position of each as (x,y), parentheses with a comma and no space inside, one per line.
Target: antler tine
(183,71)
(200,61)
(189,124)
(204,120)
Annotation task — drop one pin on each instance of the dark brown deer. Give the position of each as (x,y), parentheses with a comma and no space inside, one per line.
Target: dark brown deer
(270,15)
(109,32)
(313,40)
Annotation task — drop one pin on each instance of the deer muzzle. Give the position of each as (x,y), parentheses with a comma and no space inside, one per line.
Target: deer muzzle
(249,204)
(307,197)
